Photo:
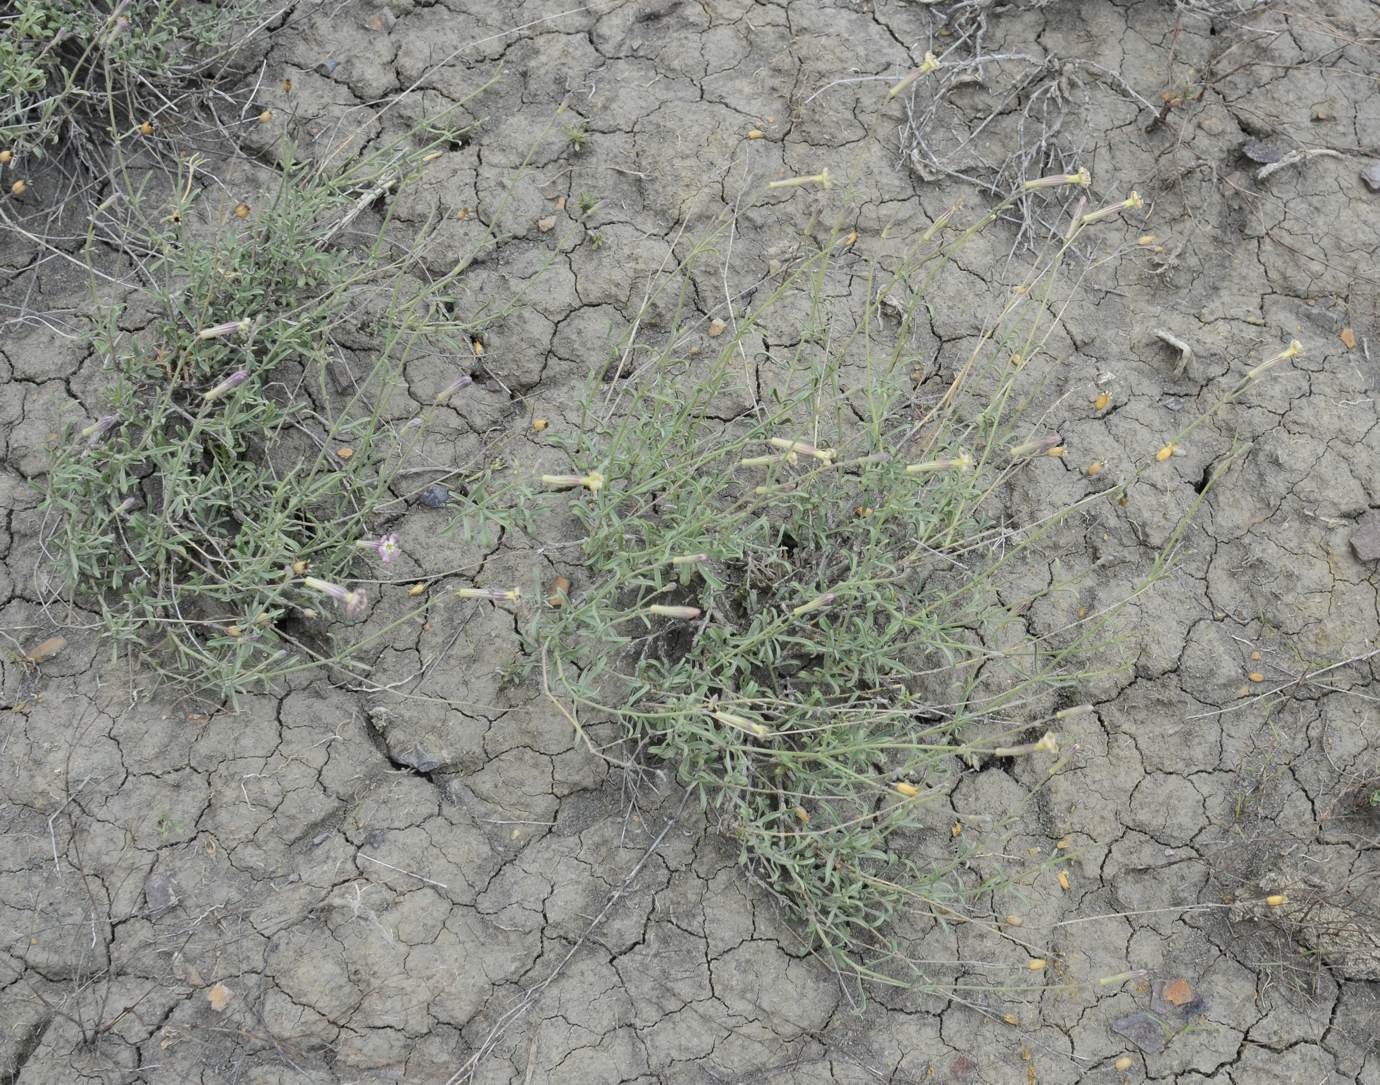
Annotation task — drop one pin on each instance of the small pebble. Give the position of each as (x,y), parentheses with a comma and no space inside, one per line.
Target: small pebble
(1365,540)
(1257,150)
(435,496)
(1143,1030)
(1370,175)
(327,68)
(159,893)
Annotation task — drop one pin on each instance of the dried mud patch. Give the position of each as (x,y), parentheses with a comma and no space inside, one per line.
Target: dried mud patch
(444,886)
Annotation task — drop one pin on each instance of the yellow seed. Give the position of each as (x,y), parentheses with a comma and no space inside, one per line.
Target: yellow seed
(462,214)
(416,589)
(49,648)
(242,211)
(1036,964)
(1275,900)
(803,815)
(19,187)
(559,592)
(1094,469)
(716,328)
(1102,401)
(265,116)
(1011,1019)
(908,790)
(851,239)
(308,612)
(956,829)
(1164,453)
(540,424)
(477,345)
(1017,361)
(1057,452)
(1015,921)
(1255,655)
(1256,676)
(232,631)
(1123,500)
(301,568)
(6,157)
(1064,880)
(287,86)
(146,129)
(755,133)
(344,453)
(1122,1064)
(432,157)
(1063,843)
(1146,239)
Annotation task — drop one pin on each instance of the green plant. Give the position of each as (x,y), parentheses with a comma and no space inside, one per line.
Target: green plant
(792,598)
(577,135)
(244,462)
(71,70)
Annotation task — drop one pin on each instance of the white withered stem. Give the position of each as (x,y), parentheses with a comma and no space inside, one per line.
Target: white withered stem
(496,595)
(821,178)
(684,613)
(742,723)
(824,455)
(230,327)
(928,64)
(817,603)
(1293,350)
(593,481)
(1048,743)
(961,462)
(1035,447)
(1130,203)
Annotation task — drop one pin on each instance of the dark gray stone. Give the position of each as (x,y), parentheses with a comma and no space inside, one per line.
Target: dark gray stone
(1142,1029)
(160,893)
(434,496)
(1365,539)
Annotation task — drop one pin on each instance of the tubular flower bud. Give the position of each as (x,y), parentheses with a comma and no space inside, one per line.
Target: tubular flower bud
(1058,180)
(228,384)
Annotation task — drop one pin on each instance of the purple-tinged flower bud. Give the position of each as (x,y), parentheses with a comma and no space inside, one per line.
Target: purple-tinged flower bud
(228,384)
(352,600)
(453,387)
(99,428)
(1035,447)
(218,331)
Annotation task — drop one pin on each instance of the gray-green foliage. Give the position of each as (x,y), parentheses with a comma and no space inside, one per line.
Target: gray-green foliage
(69,68)
(843,653)
(191,521)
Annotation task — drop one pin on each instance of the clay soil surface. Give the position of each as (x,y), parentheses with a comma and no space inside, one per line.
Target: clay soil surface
(334,885)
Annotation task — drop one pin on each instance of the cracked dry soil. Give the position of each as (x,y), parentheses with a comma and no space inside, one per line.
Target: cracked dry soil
(328,886)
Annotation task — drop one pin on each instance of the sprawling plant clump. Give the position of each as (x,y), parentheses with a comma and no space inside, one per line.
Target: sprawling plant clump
(72,70)
(791,602)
